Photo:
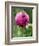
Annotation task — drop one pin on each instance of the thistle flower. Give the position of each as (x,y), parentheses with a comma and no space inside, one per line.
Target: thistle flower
(22,18)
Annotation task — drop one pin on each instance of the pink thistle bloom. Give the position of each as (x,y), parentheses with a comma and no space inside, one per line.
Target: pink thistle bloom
(22,18)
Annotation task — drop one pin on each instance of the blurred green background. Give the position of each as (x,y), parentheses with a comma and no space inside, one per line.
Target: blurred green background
(16,30)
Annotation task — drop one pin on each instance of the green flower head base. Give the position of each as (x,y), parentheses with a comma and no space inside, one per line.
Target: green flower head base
(22,18)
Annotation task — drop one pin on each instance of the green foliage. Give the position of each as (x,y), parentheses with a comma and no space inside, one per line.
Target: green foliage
(19,32)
